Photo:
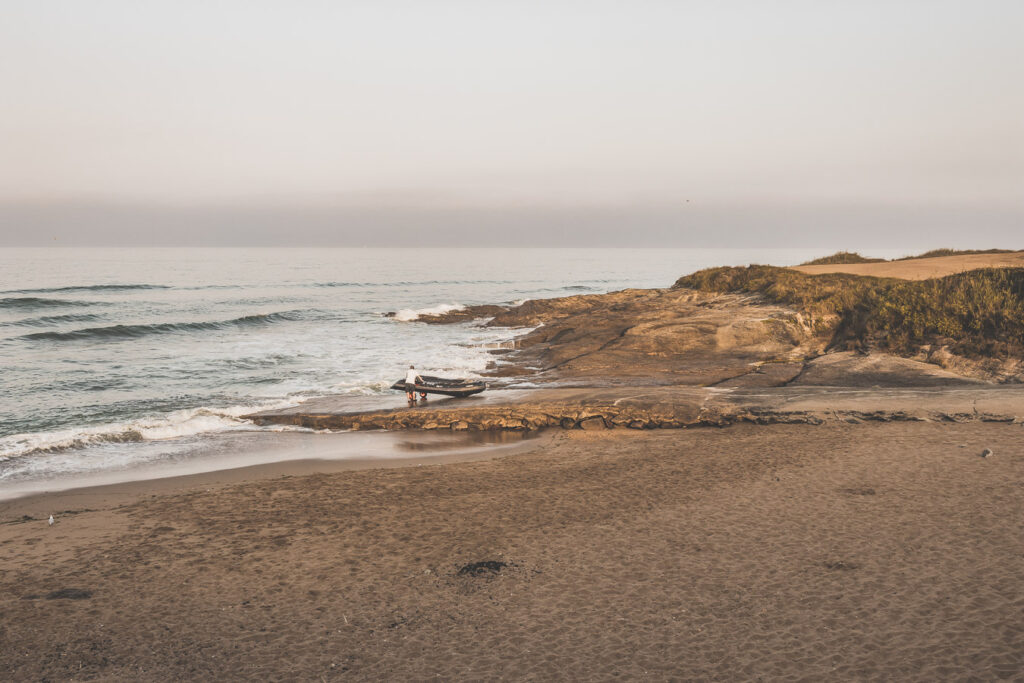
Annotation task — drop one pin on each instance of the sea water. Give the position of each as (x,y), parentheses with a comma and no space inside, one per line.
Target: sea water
(113,358)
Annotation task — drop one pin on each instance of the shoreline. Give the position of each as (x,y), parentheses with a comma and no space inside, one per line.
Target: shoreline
(875,550)
(337,453)
(644,383)
(850,515)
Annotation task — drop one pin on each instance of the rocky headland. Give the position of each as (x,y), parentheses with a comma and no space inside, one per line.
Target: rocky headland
(696,352)
(761,326)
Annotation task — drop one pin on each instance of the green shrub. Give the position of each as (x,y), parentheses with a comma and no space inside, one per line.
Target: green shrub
(819,295)
(842,257)
(977,313)
(935,253)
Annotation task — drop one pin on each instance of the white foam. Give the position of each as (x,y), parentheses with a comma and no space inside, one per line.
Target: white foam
(411,314)
(180,423)
(362,366)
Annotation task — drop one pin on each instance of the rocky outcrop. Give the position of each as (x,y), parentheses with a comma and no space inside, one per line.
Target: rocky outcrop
(657,336)
(666,408)
(461,315)
(1003,370)
(677,358)
(852,369)
(681,336)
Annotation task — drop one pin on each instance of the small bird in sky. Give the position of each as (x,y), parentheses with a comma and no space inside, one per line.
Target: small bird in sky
(50,521)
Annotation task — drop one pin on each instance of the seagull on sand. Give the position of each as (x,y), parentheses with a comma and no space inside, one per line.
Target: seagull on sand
(50,521)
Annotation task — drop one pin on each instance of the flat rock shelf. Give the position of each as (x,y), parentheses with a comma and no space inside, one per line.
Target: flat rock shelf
(662,407)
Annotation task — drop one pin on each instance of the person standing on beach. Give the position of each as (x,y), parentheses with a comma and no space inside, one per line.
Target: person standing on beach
(411,379)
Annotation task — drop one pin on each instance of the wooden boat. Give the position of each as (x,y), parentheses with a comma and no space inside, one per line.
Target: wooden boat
(442,385)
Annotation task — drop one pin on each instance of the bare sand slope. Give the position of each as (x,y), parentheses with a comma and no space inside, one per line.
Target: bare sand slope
(786,552)
(924,268)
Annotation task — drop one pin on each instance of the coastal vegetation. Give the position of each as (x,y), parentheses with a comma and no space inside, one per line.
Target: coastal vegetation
(849,257)
(819,296)
(842,257)
(979,313)
(936,253)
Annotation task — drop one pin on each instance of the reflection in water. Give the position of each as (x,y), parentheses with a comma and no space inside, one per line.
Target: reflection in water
(420,442)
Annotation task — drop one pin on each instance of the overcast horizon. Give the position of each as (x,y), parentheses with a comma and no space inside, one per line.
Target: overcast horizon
(705,124)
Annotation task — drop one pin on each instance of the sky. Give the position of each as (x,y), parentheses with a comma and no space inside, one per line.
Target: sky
(818,123)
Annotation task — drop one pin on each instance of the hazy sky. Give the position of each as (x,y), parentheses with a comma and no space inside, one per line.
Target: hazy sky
(554,122)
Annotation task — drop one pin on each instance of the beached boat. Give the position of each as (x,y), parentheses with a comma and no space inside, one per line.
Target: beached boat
(442,385)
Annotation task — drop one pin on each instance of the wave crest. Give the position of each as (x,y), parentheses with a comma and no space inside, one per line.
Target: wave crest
(178,424)
(53,320)
(31,302)
(411,283)
(411,314)
(136,331)
(87,288)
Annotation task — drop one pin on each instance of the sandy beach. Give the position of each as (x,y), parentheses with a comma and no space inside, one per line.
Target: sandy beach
(700,486)
(646,341)
(781,552)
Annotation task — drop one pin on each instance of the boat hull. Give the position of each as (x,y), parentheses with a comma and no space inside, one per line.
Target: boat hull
(456,388)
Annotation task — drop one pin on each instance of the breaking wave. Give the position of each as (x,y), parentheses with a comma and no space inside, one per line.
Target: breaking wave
(410,314)
(87,288)
(53,320)
(136,331)
(31,302)
(174,425)
(411,283)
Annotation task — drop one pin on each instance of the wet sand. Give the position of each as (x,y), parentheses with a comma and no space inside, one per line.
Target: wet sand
(41,498)
(255,455)
(839,551)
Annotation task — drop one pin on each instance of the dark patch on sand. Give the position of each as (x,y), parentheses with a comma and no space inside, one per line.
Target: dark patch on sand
(841,566)
(69,594)
(20,520)
(484,568)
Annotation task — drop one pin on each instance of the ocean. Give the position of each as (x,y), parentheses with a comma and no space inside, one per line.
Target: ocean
(112,359)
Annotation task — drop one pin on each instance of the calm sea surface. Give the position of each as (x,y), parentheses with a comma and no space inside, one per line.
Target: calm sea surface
(114,357)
